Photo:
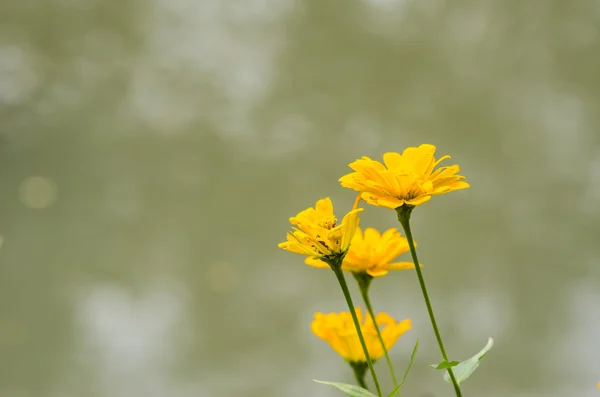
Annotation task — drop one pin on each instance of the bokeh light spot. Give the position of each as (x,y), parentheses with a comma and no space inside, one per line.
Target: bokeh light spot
(37,192)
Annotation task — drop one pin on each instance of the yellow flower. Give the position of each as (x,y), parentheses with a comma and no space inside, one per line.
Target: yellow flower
(407,178)
(372,252)
(338,330)
(317,234)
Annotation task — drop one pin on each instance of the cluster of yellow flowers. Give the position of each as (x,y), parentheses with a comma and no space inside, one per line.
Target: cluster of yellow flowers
(404,180)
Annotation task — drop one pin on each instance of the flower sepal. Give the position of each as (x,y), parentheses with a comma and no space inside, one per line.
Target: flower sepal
(334,260)
(404,213)
(363,279)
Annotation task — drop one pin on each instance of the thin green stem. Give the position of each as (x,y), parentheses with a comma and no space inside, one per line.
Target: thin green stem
(404,218)
(337,269)
(359,373)
(364,282)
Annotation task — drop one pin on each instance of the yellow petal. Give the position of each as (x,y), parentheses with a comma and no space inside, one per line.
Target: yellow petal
(401,266)
(424,159)
(377,272)
(371,235)
(324,207)
(418,200)
(350,223)
(393,161)
(358,234)
(460,185)
(314,262)
(391,233)
(349,181)
(391,334)
(356,201)
(389,202)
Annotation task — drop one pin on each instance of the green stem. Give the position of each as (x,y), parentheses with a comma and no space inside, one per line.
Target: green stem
(359,373)
(337,269)
(404,218)
(364,282)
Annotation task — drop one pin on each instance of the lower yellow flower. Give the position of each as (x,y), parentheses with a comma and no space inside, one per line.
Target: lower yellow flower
(372,252)
(338,330)
(317,234)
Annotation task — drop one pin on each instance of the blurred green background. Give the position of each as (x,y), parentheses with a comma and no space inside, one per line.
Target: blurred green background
(151,152)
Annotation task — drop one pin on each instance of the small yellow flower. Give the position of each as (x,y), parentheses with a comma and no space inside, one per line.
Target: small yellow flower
(372,252)
(317,234)
(338,330)
(407,178)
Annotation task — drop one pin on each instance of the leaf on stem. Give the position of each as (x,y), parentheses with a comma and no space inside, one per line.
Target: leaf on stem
(464,369)
(412,359)
(351,390)
(445,364)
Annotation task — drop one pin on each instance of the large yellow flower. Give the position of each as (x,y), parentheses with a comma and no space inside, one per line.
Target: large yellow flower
(372,252)
(317,234)
(338,330)
(407,178)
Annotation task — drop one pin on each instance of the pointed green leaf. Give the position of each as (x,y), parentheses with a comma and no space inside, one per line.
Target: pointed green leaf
(351,390)
(410,363)
(464,369)
(445,364)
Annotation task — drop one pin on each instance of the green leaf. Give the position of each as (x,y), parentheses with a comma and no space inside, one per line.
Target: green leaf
(351,390)
(410,363)
(464,369)
(445,364)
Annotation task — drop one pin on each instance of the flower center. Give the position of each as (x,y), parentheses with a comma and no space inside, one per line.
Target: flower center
(329,223)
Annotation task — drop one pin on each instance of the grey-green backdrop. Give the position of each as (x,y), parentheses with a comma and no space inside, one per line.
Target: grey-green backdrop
(151,152)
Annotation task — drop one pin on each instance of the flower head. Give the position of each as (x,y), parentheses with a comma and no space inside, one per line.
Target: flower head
(316,232)
(338,330)
(372,252)
(408,178)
